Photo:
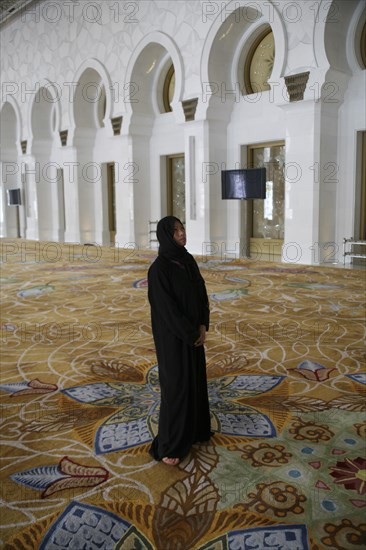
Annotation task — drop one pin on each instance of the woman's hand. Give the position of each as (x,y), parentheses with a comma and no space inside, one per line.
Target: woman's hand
(201,340)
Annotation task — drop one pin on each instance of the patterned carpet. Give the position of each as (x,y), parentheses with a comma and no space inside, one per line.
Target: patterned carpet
(79,397)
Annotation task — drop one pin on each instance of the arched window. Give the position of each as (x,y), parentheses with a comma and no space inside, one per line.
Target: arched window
(168,89)
(259,63)
(363,46)
(101,105)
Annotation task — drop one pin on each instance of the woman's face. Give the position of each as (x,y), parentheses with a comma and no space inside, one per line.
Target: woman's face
(179,234)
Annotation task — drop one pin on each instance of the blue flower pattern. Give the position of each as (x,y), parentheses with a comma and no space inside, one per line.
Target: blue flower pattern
(135,422)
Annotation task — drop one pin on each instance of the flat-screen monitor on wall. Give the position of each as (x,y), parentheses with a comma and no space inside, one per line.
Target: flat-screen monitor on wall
(244,183)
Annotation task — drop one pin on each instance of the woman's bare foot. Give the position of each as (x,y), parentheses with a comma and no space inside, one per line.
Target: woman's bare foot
(170,461)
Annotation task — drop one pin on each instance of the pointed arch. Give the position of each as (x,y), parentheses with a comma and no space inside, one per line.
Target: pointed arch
(48,92)
(18,117)
(159,44)
(240,33)
(330,33)
(357,24)
(99,68)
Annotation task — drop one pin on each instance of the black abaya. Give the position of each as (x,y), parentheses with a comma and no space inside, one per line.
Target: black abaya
(179,305)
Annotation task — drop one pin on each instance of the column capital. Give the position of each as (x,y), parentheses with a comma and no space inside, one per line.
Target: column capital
(296,85)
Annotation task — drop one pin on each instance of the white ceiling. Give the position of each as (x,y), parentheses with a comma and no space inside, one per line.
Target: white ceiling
(9,7)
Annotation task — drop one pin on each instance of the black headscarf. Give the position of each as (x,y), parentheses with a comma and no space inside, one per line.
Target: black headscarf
(171,251)
(168,248)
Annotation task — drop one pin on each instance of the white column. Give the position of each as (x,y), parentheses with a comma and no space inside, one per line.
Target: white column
(301,187)
(31,176)
(311,182)
(197,174)
(72,222)
(124,189)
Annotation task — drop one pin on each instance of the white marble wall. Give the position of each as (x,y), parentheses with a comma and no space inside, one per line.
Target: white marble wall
(56,47)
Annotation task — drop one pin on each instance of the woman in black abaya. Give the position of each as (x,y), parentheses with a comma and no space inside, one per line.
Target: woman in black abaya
(180,318)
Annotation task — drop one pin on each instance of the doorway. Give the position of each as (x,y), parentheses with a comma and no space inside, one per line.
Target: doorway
(176,186)
(111,190)
(61,202)
(363,190)
(268,223)
(360,201)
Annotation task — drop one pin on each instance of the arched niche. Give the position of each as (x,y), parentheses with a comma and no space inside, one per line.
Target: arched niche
(146,72)
(227,48)
(9,128)
(155,133)
(90,103)
(43,119)
(228,44)
(143,78)
(90,100)
(91,130)
(44,113)
(332,25)
(356,42)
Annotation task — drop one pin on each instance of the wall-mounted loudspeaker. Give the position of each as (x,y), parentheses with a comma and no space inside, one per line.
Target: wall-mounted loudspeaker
(14,198)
